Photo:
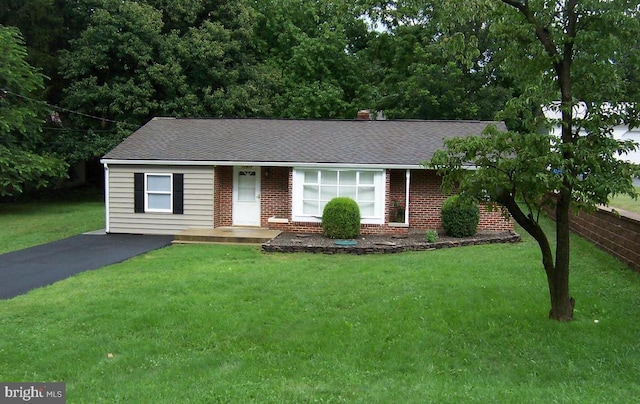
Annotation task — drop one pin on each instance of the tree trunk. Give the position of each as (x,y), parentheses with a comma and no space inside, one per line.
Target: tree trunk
(562,303)
(561,54)
(558,272)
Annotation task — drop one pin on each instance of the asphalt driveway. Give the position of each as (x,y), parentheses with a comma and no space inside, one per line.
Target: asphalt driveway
(21,271)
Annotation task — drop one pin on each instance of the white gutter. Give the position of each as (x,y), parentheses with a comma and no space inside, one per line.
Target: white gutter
(257,164)
(106,197)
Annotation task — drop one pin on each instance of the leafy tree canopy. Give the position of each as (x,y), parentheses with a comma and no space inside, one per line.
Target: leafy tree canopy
(42,26)
(435,64)
(118,63)
(571,52)
(136,60)
(316,52)
(20,122)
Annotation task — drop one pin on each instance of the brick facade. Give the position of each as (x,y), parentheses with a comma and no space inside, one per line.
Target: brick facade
(396,189)
(222,195)
(425,201)
(276,193)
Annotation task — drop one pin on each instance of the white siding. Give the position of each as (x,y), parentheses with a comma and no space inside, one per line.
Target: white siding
(198,201)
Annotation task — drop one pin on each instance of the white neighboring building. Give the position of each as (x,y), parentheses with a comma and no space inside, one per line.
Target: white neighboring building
(619,132)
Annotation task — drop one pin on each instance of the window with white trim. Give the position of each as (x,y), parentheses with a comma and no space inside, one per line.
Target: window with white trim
(158,190)
(313,188)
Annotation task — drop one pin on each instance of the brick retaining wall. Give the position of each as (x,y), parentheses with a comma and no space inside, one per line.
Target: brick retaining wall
(617,234)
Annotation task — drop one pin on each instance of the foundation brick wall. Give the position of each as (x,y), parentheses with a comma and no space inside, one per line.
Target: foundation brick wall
(365,229)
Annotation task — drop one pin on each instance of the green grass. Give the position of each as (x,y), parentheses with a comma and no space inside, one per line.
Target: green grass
(203,324)
(626,202)
(25,225)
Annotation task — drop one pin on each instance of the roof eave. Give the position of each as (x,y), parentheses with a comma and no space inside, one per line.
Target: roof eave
(201,163)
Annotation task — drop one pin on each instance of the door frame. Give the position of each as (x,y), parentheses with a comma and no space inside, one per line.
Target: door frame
(236,208)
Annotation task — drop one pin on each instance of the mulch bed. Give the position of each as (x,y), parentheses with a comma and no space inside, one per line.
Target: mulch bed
(381,244)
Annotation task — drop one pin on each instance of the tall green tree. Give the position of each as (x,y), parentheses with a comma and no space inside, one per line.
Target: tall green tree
(21,118)
(314,50)
(420,70)
(569,52)
(43,29)
(419,79)
(136,60)
(48,25)
(112,67)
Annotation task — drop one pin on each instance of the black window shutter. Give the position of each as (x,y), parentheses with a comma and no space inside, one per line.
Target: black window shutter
(178,194)
(138,192)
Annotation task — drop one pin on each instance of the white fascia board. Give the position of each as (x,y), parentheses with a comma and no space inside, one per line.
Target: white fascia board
(257,164)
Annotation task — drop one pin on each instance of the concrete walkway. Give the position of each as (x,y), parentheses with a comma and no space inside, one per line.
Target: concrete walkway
(21,271)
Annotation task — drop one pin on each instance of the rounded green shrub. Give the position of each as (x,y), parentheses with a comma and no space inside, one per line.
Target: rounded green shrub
(459,218)
(341,218)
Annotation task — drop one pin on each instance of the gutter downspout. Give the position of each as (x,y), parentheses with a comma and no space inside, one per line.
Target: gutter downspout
(106,197)
(406,201)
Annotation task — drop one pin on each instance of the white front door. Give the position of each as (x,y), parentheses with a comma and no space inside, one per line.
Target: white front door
(246,196)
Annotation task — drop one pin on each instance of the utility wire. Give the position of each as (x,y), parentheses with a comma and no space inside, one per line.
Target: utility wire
(5,91)
(79,130)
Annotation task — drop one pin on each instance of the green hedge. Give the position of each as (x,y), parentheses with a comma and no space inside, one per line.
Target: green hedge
(341,218)
(459,218)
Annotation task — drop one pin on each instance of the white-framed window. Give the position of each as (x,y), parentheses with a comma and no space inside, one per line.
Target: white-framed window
(313,188)
(158,193)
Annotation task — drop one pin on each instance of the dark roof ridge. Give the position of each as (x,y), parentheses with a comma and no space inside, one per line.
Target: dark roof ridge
(213,118)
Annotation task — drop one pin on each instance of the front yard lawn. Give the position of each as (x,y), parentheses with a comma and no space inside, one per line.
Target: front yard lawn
(193,323)
(626,202)
(29,224)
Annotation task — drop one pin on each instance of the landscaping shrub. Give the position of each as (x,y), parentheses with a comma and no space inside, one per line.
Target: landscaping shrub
(459,218)
(431,236)
(341,218)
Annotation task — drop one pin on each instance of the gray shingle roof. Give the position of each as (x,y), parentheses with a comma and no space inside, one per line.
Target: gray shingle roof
(260,141)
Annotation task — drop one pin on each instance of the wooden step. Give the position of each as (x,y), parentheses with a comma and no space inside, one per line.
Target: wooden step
(226,235)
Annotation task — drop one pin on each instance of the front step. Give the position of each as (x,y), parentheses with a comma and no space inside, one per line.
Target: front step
(226,235)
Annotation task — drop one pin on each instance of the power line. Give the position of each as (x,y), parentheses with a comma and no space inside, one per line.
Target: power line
(4,91)
(59,129)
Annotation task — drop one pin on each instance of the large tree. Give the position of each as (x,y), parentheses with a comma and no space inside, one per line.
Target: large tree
(313,50)
(141,59)
(135,60)
(422,75)
(21,116)
(41,24)
(568,56)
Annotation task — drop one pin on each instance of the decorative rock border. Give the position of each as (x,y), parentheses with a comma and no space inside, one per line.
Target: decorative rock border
(290,243)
